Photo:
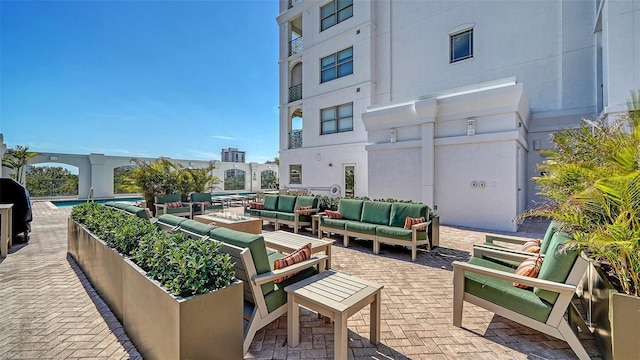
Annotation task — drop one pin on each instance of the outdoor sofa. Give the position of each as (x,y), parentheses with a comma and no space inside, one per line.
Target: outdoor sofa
(130,209)
(381,222)
(173,204)
(291,210)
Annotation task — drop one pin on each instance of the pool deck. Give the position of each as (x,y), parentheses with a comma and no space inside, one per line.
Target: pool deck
(50,311)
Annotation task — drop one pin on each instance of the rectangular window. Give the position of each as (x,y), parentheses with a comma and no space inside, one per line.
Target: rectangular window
(335,12)
(461,46)
(337,65)
(336,119)
(295,174)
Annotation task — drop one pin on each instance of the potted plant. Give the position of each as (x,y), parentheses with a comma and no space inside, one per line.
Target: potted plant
(592,182)
(176,297)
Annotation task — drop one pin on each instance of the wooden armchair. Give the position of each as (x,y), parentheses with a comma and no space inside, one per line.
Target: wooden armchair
(172,204)
(542,306)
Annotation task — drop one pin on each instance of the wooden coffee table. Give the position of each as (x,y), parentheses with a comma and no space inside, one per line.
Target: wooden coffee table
(287,242)
(337,296)
(244,223)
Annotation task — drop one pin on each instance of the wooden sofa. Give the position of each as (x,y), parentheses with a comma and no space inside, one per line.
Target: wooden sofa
(265,300)
(381,222)
(285,209)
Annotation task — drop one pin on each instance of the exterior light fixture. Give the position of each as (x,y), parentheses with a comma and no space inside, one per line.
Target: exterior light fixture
(537,144)
(393,135)
(471,127)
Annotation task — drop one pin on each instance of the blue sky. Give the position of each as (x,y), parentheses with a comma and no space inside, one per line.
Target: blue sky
(182,79)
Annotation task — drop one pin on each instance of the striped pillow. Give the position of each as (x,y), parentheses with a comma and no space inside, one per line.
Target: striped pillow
(175,204)
(409,221)
(331,214)
(295,257)
(258,206)
(531,246)
(305,213)
(530,267)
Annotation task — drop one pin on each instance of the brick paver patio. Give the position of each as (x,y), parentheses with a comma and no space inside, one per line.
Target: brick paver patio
(48,310)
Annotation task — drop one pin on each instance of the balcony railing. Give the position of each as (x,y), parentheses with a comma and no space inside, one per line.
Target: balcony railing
(293,3)
(295,93)
(295,46)
(295,139)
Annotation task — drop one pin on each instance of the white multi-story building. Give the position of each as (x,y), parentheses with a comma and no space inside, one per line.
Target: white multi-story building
(445,102)
(232,155)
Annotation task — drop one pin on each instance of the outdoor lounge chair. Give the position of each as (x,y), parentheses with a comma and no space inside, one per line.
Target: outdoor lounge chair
(203,203)
(172,204)
(489,285)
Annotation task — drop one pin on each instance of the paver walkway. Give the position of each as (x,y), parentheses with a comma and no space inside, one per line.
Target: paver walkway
(48,310)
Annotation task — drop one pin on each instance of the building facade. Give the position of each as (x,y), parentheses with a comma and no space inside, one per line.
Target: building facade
(445,102)
(232,155)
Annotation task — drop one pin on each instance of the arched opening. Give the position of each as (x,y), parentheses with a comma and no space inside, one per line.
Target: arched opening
(268,179)
(234,179)
(295,89)
(120,183)
(52,179)
(295,135)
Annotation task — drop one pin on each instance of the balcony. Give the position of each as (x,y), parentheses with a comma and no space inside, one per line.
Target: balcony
(295,93)
(295,46)
(293,3)
(295,139)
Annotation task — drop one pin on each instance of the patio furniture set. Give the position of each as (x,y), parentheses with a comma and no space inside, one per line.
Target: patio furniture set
(199,203)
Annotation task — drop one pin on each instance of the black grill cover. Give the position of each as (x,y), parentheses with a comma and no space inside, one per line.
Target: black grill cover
(11,192)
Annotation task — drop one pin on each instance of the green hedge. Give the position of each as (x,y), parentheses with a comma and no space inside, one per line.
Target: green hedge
(183,266)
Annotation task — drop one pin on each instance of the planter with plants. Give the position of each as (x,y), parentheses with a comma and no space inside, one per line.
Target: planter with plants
(592,183)
(177,298)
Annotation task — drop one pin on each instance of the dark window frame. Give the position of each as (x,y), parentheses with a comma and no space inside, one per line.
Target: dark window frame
(468,34)
(336,15)
(333,68)
(337,119)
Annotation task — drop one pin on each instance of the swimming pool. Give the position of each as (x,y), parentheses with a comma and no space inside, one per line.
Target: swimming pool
(65,204)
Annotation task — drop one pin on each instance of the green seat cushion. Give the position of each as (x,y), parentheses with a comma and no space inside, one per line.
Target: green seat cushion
(286,203)
(291,217)
(196,227)
(544,245)
(179,210)
(350,209)
(255,243)
(137,211)
(400,211)
(268,214)
(254,212)
(333,223)
(271,202)
(306,201)
(171,219)
(399,233)
(119,205)
(556,265)
(200,197)
(161,199)
(503,293)
(362,228)
(376,212)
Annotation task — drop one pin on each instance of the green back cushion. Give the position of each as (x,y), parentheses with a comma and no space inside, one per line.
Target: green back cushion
(255,243)
(286,202)
(137,211)
(196,227)
(376,212)
(400,211)
(306,201)
(350,209)
(544,245)
(171,219)
(556,265)
(200,197)
(161,199)
(271,202)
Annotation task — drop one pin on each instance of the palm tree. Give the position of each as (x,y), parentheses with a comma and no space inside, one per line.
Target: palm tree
(17,159)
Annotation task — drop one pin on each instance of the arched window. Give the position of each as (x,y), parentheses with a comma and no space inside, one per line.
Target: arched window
(234,179)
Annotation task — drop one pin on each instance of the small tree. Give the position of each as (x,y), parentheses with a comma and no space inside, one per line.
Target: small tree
(17,160)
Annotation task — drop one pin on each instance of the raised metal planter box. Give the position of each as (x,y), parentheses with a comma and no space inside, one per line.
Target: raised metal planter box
(162,326)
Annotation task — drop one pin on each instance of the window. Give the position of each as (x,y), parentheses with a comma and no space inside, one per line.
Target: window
(335,12)
(336,119)
(295,174)
(461,46)
(337,65)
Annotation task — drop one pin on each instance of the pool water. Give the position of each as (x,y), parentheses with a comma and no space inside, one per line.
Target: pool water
(66,204)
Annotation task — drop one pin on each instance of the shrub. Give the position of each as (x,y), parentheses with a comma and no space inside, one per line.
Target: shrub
(183,266)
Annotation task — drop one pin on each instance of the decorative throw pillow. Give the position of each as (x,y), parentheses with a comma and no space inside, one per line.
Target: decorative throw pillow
(531,246)
(252,204)
(409,221)
(305,213)
(331,214)
(295,257)
(175,204)
(206,203)
(259,206)
(530,267)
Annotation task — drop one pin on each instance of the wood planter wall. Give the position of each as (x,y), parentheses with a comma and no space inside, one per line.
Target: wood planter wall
(162,326)
(615,316)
